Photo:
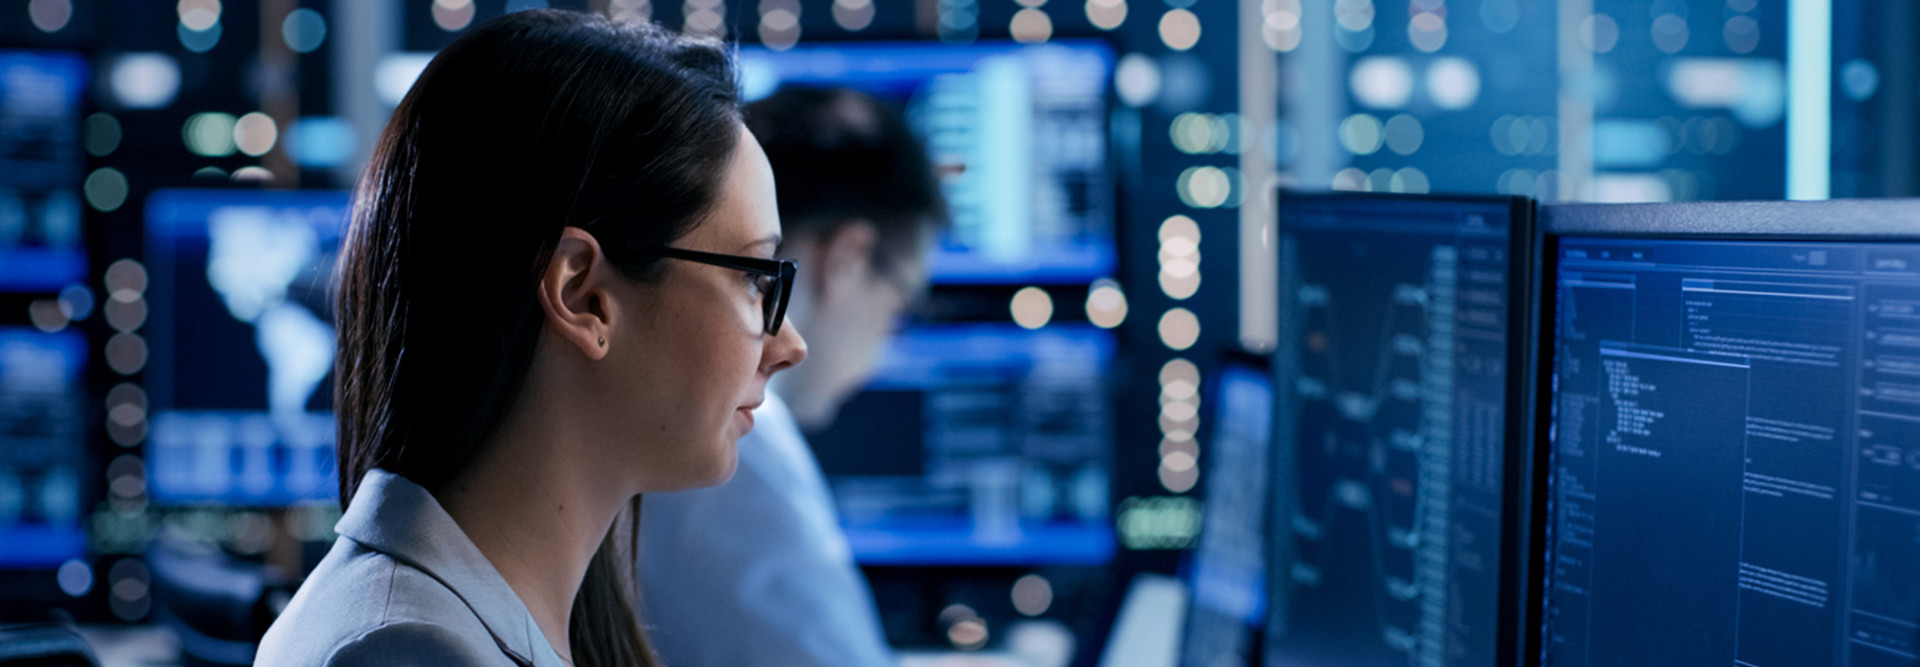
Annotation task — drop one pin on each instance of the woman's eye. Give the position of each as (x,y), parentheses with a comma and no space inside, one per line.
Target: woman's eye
(758,282)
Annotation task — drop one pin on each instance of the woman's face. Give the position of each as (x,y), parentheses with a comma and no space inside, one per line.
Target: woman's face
(696,360)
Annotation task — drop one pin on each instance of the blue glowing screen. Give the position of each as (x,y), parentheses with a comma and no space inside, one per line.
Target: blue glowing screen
(978,444)
(243,345)
(42,446)
(40,170)
(1019,132)
(1735,454)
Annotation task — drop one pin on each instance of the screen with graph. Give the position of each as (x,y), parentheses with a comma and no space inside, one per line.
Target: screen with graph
(1228,570)
(243,345)
(1736,435)
(1395,367)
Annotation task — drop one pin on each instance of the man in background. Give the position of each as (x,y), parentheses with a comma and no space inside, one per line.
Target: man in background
(756,571)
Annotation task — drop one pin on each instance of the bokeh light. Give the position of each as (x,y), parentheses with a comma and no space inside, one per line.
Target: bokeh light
(853,15)
(1179,29)
(1106,304)
(1106,14)
(210,134)
(106,189)
(1032,595)
(1599,33)
(1205,187)
(633,11)
(198,14)
(780,26)
(1453,83)
(50,15)
(1179,329)
(453,15)
(144,80)
(103,134)
(126,353)
(130,585)
(1137,80)
(1427,31)
(1381,82)
(255,133)
(1031,25)
(1670,33)
(304,30)
(75,578)
(1280,25)
(1361,134)
(1404,134)
(1032,308)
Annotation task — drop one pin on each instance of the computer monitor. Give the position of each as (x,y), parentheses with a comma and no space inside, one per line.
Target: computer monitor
(1734,434)
(978,444)
(1400,368)
(1227,570)
(42,448)
(1019,131)
(41,95)
(242,345)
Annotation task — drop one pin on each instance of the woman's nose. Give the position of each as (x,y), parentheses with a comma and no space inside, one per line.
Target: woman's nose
(786,350)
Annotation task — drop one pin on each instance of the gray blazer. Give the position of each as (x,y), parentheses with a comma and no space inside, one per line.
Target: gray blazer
(404,586)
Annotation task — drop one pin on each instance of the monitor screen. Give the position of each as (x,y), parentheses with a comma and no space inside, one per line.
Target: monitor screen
(978,444)
(42,447)
(242,345)
(41,166)
(1020,135)
(1229,566)
(1398,363)
(1735,453)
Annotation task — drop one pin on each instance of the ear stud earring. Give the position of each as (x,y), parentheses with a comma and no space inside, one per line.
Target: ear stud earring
(603,341)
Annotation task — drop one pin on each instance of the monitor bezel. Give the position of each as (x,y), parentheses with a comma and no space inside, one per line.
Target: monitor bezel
(1838,220)
(1519,460)
(1260,364)
(1830,220)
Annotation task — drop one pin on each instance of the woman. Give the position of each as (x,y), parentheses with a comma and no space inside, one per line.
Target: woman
(557,294)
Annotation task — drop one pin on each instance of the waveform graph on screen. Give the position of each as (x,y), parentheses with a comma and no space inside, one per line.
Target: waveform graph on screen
(1390,456)
(1376,427)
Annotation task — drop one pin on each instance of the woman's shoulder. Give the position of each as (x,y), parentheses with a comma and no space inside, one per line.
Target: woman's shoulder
(361,606)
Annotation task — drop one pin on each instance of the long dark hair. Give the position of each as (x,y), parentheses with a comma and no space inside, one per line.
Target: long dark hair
(525,125)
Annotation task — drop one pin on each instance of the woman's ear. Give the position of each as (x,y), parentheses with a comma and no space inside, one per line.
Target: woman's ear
(573,293)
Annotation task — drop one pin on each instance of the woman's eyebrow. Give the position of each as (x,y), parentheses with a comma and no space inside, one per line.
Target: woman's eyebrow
(773,241)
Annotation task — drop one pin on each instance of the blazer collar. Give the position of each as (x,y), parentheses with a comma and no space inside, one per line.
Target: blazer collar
(394,516)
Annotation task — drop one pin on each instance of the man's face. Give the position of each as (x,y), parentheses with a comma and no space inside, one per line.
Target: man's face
(855,313)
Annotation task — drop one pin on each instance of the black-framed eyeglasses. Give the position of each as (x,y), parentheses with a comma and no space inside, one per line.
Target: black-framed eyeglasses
(773,296)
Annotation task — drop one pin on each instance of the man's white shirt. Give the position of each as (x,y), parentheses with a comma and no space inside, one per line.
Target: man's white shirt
(756,571)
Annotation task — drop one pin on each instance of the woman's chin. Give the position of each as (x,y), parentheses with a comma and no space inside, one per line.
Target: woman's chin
(725,464)
(729,465)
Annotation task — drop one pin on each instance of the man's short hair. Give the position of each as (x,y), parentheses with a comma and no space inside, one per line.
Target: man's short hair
(840,154)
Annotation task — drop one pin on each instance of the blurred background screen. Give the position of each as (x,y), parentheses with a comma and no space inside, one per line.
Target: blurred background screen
(42,457)
(41,164)
(978,444)
(243,345)
(1019,130)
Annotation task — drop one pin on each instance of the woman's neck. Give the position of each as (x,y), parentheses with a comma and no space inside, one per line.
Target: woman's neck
(537,518)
